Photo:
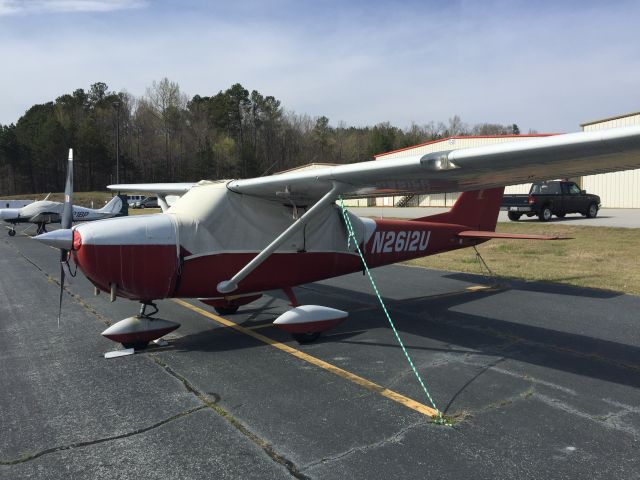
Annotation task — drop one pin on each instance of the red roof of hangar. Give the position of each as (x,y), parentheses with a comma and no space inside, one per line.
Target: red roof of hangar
(456,137)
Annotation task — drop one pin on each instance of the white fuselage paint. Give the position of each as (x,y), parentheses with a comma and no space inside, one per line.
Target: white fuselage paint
(157,229)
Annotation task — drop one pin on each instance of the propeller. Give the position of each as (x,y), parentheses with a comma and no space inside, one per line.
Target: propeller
(63,238)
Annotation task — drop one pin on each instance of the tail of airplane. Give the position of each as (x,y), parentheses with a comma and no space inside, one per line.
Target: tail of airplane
(477,210)
(113,207)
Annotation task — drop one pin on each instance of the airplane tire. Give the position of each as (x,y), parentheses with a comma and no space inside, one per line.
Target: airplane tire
(227,310)
(305,338)
(12,233)
(136,345)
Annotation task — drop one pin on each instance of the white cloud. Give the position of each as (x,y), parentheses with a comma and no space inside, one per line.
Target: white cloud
(27,7)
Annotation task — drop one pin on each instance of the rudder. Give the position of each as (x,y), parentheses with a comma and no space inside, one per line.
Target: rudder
(115,206)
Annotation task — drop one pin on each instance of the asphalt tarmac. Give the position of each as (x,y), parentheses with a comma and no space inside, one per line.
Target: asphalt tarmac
(541,381)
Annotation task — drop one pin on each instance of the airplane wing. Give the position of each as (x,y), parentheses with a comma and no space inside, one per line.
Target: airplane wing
(477,168)
(155,188)
(162,190)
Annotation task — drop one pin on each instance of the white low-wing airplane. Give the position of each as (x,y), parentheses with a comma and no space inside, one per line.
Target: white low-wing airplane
(46,211)
(225,242)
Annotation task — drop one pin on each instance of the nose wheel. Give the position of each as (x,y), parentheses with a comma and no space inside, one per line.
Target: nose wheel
(12,232)
(136,332)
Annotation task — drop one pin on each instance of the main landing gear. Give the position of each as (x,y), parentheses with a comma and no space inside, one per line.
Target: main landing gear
(42,228)
(136,332)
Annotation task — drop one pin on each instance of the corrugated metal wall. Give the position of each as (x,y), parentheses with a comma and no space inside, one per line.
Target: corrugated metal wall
(617,189)
(626,121)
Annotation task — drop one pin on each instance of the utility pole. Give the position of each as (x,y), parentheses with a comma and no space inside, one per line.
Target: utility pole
(117,107)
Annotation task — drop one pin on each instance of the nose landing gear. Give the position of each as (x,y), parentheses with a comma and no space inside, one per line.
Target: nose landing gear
(136,332)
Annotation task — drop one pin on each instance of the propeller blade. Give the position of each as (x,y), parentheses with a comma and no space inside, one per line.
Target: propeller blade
(67,210)
(68,274)
(63,238)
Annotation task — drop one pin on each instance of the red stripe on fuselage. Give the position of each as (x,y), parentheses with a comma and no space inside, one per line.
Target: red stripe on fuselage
(141,272)
(148,272)
(201,275)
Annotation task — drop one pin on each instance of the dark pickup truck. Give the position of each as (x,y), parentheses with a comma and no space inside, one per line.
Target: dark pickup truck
(551,198)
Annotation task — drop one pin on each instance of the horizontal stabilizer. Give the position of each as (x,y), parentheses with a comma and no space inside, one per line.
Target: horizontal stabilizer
(515,236)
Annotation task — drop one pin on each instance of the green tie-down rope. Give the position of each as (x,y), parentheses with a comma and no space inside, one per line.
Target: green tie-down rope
(351,235)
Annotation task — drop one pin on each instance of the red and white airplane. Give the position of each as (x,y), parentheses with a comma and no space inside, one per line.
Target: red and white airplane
(225,242)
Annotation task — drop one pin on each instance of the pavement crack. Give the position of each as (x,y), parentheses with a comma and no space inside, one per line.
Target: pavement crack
(268,448)
(505,402)
(32,456)
(209,401)
(395,438)
(612,420)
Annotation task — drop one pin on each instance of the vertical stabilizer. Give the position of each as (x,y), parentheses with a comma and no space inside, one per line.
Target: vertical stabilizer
(477,210)
(113,207)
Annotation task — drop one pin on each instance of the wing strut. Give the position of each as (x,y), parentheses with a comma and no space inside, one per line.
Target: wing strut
(162,201)
(228,286)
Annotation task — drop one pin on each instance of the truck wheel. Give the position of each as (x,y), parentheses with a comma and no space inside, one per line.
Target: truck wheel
(513,216)
(545,214)
(593,211)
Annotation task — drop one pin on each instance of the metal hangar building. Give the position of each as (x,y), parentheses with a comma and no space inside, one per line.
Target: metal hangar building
(616,190)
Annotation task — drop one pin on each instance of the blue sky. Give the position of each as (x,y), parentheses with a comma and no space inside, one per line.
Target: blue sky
(546,66)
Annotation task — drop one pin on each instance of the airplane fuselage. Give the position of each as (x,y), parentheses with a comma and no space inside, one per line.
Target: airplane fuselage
(188,251)
(45,212)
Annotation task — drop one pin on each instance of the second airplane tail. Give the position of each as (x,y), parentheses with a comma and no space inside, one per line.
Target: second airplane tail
(113,207)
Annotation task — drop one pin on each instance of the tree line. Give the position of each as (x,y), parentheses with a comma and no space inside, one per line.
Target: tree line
(164,136)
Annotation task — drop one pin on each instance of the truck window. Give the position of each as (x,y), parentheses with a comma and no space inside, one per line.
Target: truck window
(552,188)
(574,189)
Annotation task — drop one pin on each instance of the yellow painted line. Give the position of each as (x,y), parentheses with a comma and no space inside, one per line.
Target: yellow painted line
(479,288)
(363,382)
(258,327)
